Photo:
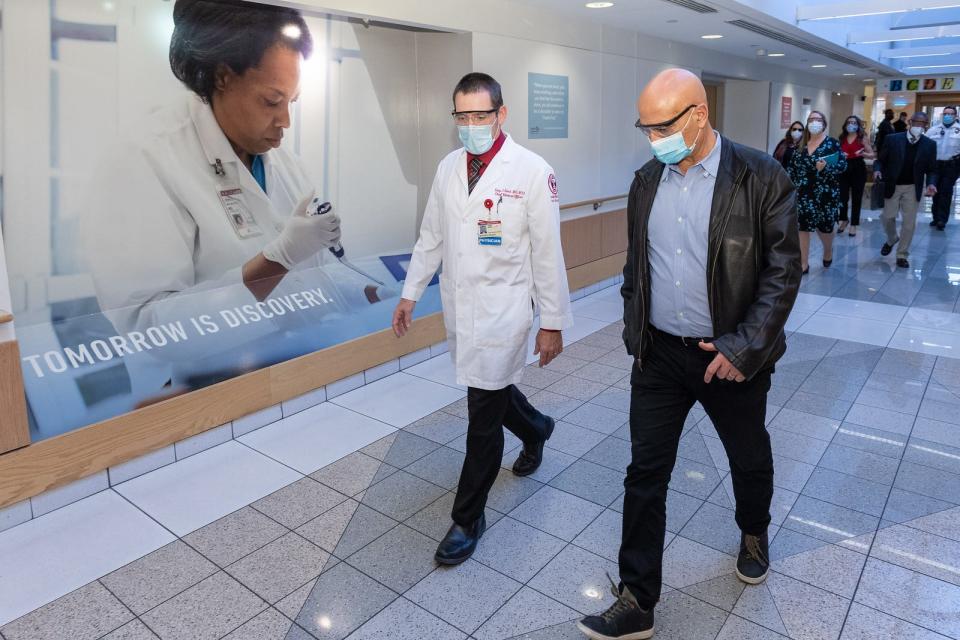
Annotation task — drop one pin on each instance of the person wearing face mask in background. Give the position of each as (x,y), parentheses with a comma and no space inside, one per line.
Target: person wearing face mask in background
(493,219)
(712,271)
(815,168)
(856,147)
(947,136)
(908,160)
(789,144)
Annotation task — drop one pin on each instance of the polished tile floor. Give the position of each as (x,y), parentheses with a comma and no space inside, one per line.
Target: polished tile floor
(323,524)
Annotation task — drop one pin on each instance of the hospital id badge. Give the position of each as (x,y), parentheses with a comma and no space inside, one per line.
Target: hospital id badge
(489,233)
(240,218)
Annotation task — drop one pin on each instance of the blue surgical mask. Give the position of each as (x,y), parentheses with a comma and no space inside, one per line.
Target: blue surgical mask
(477,138)
(815,127)
(673,149)
(948,120)
(852,128)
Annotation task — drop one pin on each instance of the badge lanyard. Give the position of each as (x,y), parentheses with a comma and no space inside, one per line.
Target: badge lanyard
(490,232)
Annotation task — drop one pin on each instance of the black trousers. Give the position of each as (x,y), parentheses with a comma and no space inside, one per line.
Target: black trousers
(852,182)
(663,392)
(947,173)
(489,412)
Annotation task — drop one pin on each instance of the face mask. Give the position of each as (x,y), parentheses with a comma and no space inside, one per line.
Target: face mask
(948,120)
(815,127)
(852,128)
(916,132)
(796,135)
(476,138)
(673,148)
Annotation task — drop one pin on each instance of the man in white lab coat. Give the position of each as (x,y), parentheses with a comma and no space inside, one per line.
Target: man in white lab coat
(493,220)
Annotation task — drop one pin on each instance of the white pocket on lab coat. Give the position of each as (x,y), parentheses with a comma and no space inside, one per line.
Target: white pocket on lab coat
(502,315)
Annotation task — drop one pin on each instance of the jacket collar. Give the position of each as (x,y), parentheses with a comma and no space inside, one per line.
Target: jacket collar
(212,139)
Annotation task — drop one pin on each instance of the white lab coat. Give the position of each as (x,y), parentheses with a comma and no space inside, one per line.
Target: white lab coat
(158,240)
(947,139)
(488,292)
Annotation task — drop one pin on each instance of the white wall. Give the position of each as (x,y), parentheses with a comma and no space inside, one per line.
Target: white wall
(746,112)
(819,100)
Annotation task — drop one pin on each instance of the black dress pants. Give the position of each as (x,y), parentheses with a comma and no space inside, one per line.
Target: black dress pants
(943,202)
(489,412)
(663,392)
(852,182)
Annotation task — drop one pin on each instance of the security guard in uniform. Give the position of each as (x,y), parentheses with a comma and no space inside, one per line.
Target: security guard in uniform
(947,136)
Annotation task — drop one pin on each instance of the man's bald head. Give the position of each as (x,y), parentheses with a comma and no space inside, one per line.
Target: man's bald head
(670,92)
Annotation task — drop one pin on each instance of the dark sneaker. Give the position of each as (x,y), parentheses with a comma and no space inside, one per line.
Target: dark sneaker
(754,559)
(531,456)
(624,620)
(903,263)
(888,247)
(460,542)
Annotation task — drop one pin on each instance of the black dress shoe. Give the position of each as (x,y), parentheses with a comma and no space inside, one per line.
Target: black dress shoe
(460,542)
(624,620)
(888,247)
(903,263)
(933,223)
(753,563)
(827,263)
(941,227)
(532,455)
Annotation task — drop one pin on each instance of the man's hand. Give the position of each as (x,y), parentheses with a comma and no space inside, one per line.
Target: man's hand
(403,317)
(549,346)
(720,366)
(931,189)
(877,176)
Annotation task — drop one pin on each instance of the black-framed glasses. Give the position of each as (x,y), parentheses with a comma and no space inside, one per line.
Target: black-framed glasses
(800,129)
(473,117)
(662,129)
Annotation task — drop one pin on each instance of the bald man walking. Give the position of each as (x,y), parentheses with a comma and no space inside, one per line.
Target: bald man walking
(713,269)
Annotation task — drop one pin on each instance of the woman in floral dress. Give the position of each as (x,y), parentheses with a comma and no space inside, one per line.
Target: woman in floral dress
(815,169)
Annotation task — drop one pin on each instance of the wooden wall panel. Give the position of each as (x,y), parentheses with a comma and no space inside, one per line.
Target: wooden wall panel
(14,430)
(613,227)
(582,241)
(592,272)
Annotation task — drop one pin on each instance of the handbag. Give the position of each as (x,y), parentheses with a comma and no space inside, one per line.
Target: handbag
(877,195)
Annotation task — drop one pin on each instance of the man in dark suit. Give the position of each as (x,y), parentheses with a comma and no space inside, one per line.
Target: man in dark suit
(908,160)
(885,129)
(901,125)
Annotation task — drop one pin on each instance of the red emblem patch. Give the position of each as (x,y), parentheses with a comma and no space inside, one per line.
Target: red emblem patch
(552,183)
(488,203)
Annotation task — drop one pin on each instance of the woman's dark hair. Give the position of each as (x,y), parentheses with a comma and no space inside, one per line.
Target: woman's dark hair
(232,33)
(787,141)
(860,132)
(477,82)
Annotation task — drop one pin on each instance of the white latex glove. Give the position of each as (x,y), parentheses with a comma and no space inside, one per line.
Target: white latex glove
(303,236)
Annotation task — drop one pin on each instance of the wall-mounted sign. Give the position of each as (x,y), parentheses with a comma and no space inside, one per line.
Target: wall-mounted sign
(896,85)
(913,85)
(548,106)
(786,112)
(940,83)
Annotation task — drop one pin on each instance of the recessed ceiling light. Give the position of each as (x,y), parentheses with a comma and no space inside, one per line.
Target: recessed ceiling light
(849,74)
(936,66)
(818,66)
(868,79)
(672,21)
(713,36)
(775,55)
(598,5)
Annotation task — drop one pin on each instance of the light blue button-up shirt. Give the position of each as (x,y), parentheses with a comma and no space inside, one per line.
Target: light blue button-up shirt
(678,232)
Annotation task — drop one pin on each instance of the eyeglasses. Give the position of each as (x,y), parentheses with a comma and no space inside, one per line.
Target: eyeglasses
(796,129)
(473,117)
(662,129)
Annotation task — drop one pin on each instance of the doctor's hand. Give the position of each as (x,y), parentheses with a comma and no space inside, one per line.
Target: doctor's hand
(403,317)
(720,366)
(931,190)
(303,236)
(549,346)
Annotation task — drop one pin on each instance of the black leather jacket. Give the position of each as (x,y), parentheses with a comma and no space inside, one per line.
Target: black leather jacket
(753,268)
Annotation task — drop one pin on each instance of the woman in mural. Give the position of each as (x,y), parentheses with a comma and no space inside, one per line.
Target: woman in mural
(205,215)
